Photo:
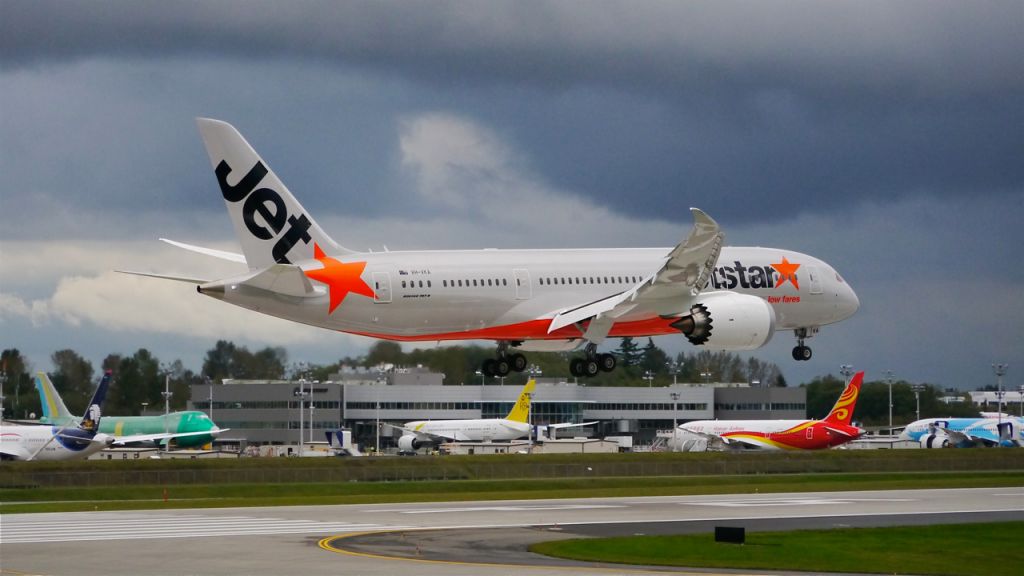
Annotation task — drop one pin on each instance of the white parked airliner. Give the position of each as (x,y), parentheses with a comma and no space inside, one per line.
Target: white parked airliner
(722,298)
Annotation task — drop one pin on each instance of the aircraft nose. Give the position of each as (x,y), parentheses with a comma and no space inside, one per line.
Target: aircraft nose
(847,302)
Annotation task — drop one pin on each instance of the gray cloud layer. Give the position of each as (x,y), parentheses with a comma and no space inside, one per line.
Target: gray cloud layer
(820,103)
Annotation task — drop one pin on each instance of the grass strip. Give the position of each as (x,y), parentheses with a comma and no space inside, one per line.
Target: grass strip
(18,500)
(963,550)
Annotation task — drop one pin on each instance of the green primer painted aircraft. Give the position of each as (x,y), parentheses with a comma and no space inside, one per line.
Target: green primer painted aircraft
(190,422)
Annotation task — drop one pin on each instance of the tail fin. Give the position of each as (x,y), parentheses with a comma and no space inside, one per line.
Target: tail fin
(521,411)
(91,420)
(842,412)
(270,223)
(54,410)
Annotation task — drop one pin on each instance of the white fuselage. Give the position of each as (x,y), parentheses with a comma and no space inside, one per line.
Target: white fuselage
(476,430)
(28,442)
(513,294)
(720,427)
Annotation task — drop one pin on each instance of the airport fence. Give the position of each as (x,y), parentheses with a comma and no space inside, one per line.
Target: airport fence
(509,467)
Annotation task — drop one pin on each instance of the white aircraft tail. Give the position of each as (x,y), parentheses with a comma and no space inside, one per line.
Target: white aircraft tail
(271,225)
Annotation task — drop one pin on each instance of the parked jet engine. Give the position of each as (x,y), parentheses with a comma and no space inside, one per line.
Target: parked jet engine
(410,443)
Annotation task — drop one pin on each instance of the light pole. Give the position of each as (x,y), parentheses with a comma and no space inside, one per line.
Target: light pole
(888,379)
(376,388)
(301,395)
(673,368)
(3,382)
(480,373)
(311,410)
(649,376)
(917,388)
(534,372)
(675,399)
(707,377)
(167,408)
(846,370)
(1020,399)
(1000,371)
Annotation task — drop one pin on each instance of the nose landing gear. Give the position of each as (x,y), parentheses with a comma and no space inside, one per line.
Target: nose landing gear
(802,352)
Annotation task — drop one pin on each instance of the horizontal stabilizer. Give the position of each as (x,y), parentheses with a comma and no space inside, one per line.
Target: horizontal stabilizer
(222,254)
(286,279)
(164,276)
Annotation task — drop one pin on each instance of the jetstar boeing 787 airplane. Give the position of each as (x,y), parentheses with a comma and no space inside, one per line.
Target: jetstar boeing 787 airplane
(722,298)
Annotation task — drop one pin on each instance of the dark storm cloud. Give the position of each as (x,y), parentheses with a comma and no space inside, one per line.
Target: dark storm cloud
(781,106)
(920,49)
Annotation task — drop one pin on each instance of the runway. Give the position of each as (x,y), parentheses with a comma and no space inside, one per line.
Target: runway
(439,538)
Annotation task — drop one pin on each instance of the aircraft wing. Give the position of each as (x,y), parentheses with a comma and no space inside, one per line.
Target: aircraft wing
(425,436)
(715,441)
(561,425)
(957,437)
(140,438)
(684,273)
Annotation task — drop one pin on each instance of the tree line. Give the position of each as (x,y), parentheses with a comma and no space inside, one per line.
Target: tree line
(141,377)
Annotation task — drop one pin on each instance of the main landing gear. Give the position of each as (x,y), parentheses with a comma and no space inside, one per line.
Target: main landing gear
(504,363)
(592,363)
(589,365)
(800,351)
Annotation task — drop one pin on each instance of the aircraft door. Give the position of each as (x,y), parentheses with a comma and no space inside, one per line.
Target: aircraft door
(814,276)
(381,288)
(523,288)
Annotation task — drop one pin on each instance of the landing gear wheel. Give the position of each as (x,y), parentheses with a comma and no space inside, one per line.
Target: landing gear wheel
(488,367)
(802,353)
(606,362)
(576,367)
(590,368)
(501,367)
(517,362)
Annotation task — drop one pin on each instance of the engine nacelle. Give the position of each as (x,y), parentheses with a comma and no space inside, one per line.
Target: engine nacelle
(934,441)
(728,321)
(410,443)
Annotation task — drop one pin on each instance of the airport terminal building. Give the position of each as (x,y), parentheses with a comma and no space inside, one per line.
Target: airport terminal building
(260,412)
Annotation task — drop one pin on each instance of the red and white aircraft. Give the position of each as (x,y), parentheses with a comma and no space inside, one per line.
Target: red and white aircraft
(723,298)
(835,429)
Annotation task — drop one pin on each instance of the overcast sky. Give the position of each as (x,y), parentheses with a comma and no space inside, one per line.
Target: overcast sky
(884,138)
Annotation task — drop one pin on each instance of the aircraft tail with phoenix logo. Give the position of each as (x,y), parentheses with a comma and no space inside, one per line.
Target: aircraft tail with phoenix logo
(842,412)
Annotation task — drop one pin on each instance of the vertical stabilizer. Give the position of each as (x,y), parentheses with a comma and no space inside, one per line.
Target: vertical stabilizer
(91,418)
(521,411)
(842,412)
(271,225)
(54,410)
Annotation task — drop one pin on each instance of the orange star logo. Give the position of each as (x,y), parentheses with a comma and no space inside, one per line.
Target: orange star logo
(341,278)
(787,271)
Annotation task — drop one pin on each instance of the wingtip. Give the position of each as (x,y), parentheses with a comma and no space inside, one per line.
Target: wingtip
(700,216)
